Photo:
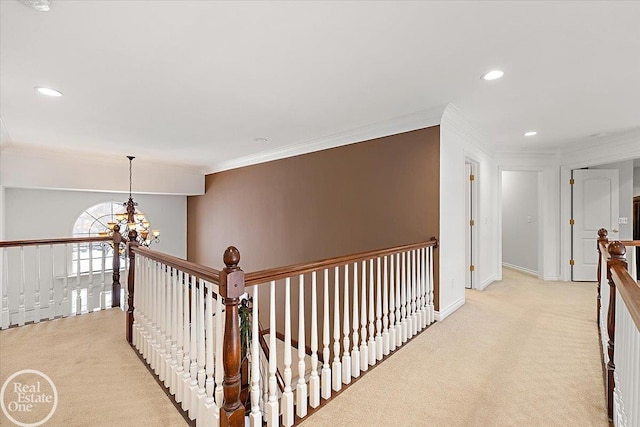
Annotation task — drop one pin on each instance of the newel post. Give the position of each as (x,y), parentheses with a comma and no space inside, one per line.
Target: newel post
(115,287)
(617,252)
(602,239)
(133,243)
(231,287)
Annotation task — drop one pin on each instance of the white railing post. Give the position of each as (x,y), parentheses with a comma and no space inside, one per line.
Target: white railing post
(36,305)
(219,369)
(372,331)
(405,323)
(364,348)
(272,412)
(301,388)
(287,395)
(326,354)
(4,316)
(379,340)
(21,296)
(392,305)
(398,316)
(385,310)
(201,393)
(255,417)
(193,351)
(314,379)
(355,351)
(346,331)
(336,369)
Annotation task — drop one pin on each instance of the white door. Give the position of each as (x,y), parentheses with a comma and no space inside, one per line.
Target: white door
(595,206)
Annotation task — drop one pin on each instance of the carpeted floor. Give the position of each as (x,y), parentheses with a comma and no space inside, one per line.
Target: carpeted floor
(99,378)
(520,353)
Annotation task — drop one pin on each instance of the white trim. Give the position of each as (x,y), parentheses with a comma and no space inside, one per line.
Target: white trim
(520,269)
(487,282)
(443,314)
(406,123)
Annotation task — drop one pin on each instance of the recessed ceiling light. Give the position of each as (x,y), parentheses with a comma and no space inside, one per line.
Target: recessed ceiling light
(492,75)
(260,140)
(41,5)
(48,91)
(530,133)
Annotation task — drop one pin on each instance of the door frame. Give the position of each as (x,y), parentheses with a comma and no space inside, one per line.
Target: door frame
(475,169)
(541,218)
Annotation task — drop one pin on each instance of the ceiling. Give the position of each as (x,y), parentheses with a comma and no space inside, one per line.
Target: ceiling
(196,82)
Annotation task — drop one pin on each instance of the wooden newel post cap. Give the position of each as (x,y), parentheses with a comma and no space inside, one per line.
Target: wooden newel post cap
(602,233)
(617,250)
(437,241)
(231,257)
(231,277)
(133,235)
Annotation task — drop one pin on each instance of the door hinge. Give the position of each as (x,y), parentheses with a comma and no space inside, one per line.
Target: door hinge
(572,181)
(472,223)
(572,221)
(472,267)
(472,177)
(571,262)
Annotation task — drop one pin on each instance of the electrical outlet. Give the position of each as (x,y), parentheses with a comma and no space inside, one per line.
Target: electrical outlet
(623,220)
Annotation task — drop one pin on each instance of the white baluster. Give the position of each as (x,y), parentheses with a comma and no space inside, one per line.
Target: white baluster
(314,379)
(78,309)
(171,347)
(392,305)
(423,289)
(326,354)
(21,301)
(211,413)
(414,294)
(385,310)
(272,411)
(162,315)
(346,330)
(52,297)
(255,417)
(153,310)
(432,317)
(201,394)
(4,318)
(186,376)
(410,314)
(301,388)
(379,340)
(180,325)
(219,373)
(404,312)
(103,281)
(355,350)
(66,306)
(337,366)
(372,330)
(287,395)
(398,301)
(90,303)
(36,305)
(364,349)
(168,325)
(193,351)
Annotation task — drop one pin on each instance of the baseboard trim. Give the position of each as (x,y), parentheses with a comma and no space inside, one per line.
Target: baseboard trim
(443,314)
(487,282)
(521,269)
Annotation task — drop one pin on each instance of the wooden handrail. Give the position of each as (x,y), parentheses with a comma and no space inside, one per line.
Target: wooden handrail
(55,241)
(630,242)
(207,273)
(264,276)
(629,291)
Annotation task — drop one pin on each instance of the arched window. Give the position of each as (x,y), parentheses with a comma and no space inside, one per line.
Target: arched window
(92,222)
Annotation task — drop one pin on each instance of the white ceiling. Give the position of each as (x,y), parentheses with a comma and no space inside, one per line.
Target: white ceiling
(196,82)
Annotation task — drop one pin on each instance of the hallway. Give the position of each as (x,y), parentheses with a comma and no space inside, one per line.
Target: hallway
(523,352)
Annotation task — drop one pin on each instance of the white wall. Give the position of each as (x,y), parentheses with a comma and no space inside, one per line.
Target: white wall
(460,141)
(23,168)
(41,214)
(625,191)
(520,220)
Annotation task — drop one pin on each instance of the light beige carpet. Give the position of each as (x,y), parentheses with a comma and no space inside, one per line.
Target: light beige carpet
(520,353)
(99,378)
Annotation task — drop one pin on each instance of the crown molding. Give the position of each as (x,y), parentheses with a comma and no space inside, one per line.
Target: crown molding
(460,124)
(609,149)
(418,120)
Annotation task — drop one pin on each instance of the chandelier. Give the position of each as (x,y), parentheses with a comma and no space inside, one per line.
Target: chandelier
(131,223)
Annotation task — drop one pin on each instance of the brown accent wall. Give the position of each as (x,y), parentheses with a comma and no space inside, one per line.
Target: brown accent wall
(359,197)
